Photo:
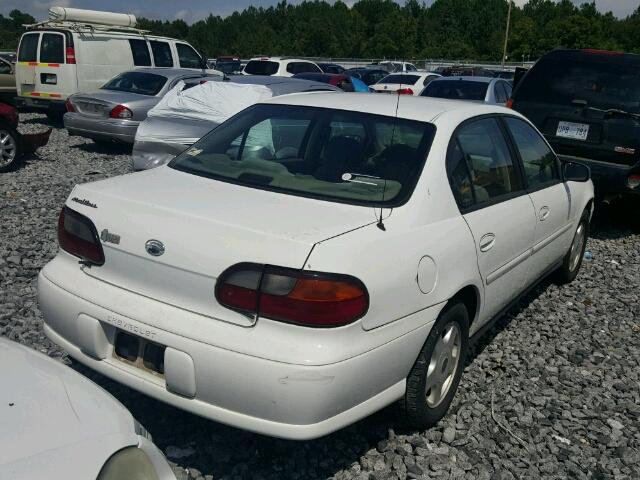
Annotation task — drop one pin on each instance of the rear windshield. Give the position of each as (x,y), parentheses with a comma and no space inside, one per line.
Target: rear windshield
(347,157)
(29,48)
(602,83)
(456,89)
(137,82)
(404,79)
(52,48)
(261,67)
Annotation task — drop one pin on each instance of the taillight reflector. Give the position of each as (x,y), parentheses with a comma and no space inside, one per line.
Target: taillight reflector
(305,298)
(69,105)
(404,91)
(78,236)
(509,103)
(120,111)
(70,56)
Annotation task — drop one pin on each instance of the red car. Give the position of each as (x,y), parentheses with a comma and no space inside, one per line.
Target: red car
(14,145)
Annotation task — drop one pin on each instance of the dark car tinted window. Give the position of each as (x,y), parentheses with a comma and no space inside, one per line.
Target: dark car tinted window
(52,48)
(140,52)
(602,83)
(500,92)
(5,67)
(29,48)
(161,54)
(136,82)
(302,67)
(456,89)
(188,57)
(261,67)
(369,78)
(404,79)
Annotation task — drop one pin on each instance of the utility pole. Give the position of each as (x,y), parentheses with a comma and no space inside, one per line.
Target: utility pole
(506,36)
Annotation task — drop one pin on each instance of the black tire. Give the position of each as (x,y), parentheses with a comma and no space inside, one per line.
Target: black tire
(415,408)
(55,117)
(10,158)
(570,265)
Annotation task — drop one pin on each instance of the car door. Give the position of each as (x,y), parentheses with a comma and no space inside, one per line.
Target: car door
(550,196)
(488,187)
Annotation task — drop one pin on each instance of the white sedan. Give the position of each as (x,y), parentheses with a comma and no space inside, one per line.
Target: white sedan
(315,258)
(57,424)
(404,83)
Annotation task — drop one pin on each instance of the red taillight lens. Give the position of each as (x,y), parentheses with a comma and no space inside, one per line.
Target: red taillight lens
(120,111)
(404,91)
(70,56)
(633,180)
(69,105)
(509,103)
(78,236)
(305,298)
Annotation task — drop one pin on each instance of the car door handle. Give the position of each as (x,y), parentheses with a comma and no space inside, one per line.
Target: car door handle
(487,242)
(544,213)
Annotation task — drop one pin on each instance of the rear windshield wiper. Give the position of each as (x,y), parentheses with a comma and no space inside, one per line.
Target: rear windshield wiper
(611,112)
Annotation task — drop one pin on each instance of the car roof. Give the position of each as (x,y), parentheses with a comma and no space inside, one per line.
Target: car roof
(468,78)
(423,109)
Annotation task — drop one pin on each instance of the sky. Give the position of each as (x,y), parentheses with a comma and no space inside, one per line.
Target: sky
(193,10)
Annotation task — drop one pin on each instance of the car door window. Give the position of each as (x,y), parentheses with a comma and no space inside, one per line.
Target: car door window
(491,169)
(188,57)
(140,52)
(161,54)
(5,68)
(302,67)
(52,48)
(539,162)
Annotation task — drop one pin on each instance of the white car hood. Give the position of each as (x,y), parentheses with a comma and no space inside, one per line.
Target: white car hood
(54,422)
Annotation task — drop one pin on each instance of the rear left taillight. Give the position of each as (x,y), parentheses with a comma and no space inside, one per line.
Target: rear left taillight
(70,56)
(633,180)
(404,91)
(509,103)
(78,236)
(311,299)
(69,105)
(120,111)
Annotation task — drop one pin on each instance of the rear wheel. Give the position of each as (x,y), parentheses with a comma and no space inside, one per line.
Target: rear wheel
(573,259)
(10,153)
(434,378)
(55,117)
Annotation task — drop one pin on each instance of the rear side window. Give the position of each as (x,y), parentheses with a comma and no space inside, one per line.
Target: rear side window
(500,93)
(302,67)
(540,163)
(456,89)
(29,48)
(140,52)
(261,67)
(188,57)
(52,48)
(5,67)
(161,54)
(403,79)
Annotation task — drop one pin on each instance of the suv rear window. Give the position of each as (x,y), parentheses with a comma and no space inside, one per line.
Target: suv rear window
(52,48)
(456,89)
(601,82)
(261,67)
(29,48)
(161,54)
(136,82)
(140,52)
(348,157)
(404,79)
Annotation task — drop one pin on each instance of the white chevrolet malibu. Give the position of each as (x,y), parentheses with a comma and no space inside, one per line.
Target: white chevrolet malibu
(315,258)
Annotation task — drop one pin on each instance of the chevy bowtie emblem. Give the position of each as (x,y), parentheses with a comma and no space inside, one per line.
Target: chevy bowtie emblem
(154,247)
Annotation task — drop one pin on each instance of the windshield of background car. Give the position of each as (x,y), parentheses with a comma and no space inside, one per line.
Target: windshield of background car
(137,82)
(404,79)
(337,155)
(456,89)
(602,83)
(261,67)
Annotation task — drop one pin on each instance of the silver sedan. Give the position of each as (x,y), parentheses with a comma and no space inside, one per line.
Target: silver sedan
(495,91)
(113,113)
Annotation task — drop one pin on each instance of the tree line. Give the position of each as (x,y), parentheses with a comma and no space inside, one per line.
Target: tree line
(452,29)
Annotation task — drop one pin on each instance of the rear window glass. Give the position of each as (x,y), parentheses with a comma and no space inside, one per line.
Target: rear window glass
(52,48)
(161,54)
(140,52)
(404,79)
(188,57)
(456,89)
(349,157)
(29,48)
(137,82)
(261,67)
(601,84)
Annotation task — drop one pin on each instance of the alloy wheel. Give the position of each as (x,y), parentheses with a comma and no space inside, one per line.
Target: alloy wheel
(443,364)
(8,148)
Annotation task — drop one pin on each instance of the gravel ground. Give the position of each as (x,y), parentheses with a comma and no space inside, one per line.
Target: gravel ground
(552,391)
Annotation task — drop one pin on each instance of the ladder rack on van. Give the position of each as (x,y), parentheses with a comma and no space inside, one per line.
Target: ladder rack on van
(84,27)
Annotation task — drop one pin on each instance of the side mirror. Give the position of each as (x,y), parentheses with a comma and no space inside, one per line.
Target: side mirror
(576,172)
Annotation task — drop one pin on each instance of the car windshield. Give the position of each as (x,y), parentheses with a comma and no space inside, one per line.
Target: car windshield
(337,155)
(137,82)
(456,89)
(602,84)
(261,67)
(403,79)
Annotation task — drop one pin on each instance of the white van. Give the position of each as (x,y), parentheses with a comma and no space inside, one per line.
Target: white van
(79,50)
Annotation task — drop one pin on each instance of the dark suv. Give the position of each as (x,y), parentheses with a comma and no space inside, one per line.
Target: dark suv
(587,104)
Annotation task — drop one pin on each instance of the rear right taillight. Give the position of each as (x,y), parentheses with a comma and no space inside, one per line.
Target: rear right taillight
(78,236)
(312,299)
(404,91)
(69,105)
(633,180)
(70,56)
(120,111)
(509,103)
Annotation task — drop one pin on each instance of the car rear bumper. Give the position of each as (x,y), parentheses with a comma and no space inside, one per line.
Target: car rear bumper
(44,104)
(608,178)
(107,129)
(287,400)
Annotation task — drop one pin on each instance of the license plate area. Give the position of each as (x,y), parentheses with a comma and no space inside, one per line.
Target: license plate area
(574,131)
(140,353)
